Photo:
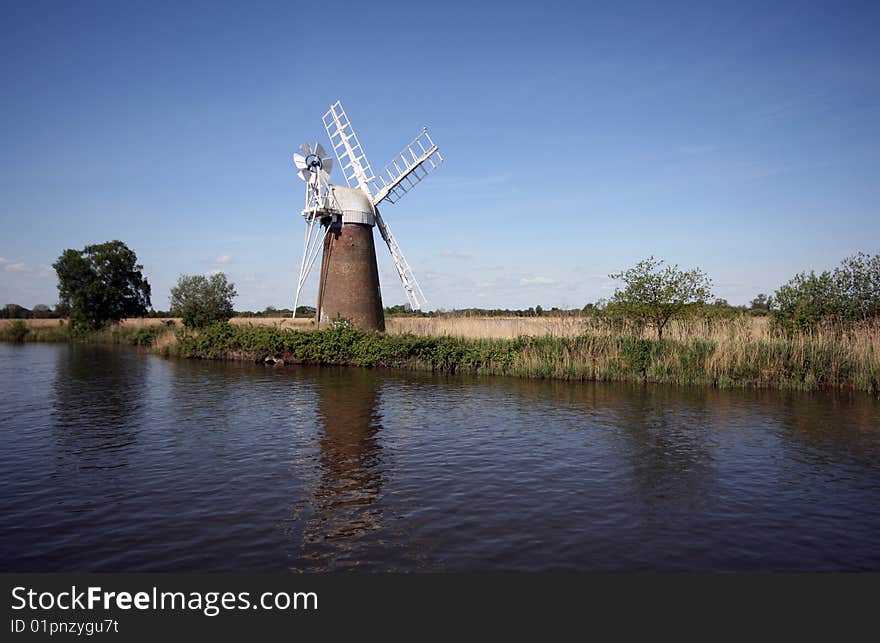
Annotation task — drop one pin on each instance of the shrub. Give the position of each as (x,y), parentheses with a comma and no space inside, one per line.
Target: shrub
(17,331)
(202,301)
(849,294)
(147,335)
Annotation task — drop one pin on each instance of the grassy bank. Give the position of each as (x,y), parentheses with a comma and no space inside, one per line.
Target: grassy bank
(128,334)
(803,362)
(727,355)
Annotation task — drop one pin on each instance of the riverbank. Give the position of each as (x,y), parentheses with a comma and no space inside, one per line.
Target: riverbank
(728,357)
(55,330)
(803,362)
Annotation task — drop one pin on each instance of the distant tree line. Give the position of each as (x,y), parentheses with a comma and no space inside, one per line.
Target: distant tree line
(533,311)
(40,311)
(103,283)
(272,311)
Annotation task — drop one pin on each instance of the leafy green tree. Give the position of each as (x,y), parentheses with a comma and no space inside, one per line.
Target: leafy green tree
(858,286)
(806,300)
(202,301)
(761,302)
(848,294)
(656,293)
(101,283)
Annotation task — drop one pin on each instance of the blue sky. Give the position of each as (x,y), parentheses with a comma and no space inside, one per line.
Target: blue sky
(742,138)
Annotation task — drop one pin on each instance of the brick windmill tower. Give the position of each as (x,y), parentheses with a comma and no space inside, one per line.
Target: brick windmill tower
(340,220)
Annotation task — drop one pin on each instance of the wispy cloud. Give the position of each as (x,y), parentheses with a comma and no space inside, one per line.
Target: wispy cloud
(14,266)
(11,265)
(219,260)
(536,280)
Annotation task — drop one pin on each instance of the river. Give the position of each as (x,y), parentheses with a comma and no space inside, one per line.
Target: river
(116,460)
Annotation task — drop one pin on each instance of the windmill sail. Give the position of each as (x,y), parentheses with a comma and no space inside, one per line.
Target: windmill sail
(410,285)
(415,162)
(352,159)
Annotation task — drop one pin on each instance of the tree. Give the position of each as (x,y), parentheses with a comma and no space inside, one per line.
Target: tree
(656,292)
(41,311)
(858,284)
(101,283)
(398,309)
(202,301)
(848,294)
(762,302)
(14,311)
(807,299)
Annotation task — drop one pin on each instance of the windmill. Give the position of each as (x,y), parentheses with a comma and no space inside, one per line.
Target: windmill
(340,221)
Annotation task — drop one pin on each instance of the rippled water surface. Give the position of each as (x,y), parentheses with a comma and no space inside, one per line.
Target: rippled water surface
(118,461)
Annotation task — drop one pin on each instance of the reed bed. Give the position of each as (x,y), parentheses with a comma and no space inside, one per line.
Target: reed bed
(743,351)
(141,332)
(485,327)
(725,357)
(570,326)
(300,323)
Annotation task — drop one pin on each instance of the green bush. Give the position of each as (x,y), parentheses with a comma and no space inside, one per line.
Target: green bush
(805,301)
(202,301)
(147,335)
(847,295)
(16,331)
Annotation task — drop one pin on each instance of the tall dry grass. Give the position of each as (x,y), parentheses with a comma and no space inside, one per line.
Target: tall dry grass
(287,323)
(513,327)
(135,323)
(485,327)
(146,322)
(729,354)
(743,351)
(737,351)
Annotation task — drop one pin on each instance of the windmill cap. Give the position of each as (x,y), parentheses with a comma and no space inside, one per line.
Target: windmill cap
(356,206)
